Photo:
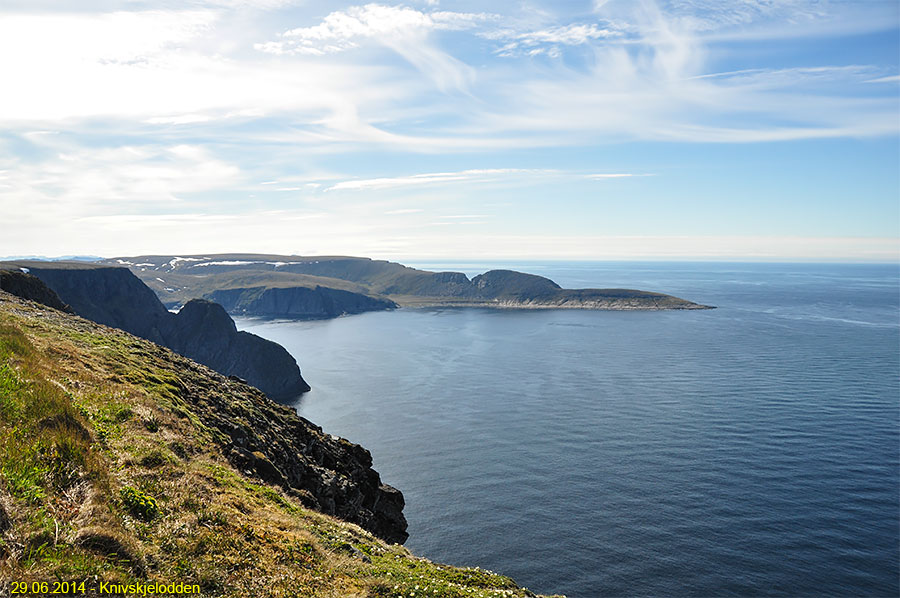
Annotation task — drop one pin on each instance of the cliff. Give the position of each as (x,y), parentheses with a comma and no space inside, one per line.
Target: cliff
(122,462)
(202,331)
(21,284)
(297,302)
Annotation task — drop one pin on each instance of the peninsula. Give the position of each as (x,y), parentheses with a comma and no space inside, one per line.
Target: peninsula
(330,286)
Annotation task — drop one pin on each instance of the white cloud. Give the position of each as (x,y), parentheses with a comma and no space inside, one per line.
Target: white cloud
(888,79)
(432,178)
(343,30)
(86,181)
(547,41)
(109,115)
(653,84)
(402,29)
(405,211)
(152,68)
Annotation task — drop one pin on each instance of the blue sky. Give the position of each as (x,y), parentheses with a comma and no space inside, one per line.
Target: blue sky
(613,129)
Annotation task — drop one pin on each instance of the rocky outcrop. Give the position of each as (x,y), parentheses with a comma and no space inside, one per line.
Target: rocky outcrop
(297,302)
(509,283)
(273,443)
(22,284)
(110,296)
(202,331)
(507,288)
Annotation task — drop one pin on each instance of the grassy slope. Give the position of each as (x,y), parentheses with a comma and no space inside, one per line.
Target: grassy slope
(106,475)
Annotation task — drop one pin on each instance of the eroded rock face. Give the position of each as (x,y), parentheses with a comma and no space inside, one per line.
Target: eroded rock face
(22,284)
(205,332)
(298,302)
(202,331)
(273,443)
(498,283)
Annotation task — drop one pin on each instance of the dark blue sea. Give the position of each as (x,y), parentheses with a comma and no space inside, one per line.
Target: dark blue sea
(751,450)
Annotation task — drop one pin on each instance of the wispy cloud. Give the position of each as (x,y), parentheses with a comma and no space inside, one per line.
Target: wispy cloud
(548,41)
(888,79)
(402,29)
(79,180)
(345,29)
(432,178)
(617,175)
(118,113)
(404,211)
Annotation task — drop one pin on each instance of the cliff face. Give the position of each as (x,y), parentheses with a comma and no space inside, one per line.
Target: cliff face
(110,296)
(508,283)
(20,284)
(204,332)
(201,331)
(297,302)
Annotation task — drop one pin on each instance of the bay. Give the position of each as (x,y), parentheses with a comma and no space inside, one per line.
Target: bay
(750,450)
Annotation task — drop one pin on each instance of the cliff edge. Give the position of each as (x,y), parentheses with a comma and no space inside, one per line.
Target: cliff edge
(202,331)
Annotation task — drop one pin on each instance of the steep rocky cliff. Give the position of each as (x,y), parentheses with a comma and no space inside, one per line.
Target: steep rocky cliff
(202,331)
(297,302)
(21,284)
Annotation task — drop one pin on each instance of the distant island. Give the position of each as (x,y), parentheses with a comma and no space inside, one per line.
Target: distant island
(331,286)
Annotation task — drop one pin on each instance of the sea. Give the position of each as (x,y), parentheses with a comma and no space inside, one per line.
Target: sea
(749,450)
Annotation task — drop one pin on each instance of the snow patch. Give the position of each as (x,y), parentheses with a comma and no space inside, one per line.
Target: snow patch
(225,263)
(174,261)
(24,270)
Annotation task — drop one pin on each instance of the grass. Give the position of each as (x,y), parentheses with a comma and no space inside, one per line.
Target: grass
(107,474)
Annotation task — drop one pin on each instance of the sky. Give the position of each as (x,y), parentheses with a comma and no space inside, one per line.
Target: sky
(613,129)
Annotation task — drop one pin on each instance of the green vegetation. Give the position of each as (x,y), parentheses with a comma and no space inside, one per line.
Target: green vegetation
(107,474)
(139,504)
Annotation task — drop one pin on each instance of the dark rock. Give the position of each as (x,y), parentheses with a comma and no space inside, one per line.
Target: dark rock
(497,283)
(5,521)
(272,443)
(297,302)
(202,330)
(32,288)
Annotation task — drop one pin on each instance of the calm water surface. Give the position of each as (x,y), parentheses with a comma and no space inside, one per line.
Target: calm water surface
(752,450)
